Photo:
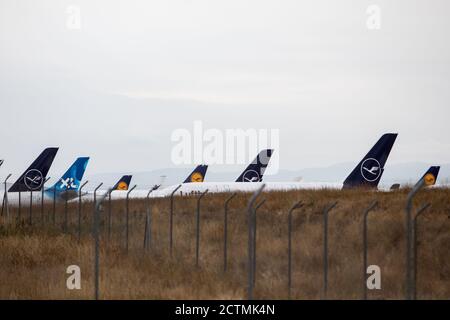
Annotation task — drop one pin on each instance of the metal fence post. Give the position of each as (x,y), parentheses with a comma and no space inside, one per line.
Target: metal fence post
(42,200)
(409,238)
(109,215)
(148,224)
(5,197)
(66,218)
(254,239)
(1,163)
(31,208)
(79,210)
(95,192)
(250,213)
(297,205)
(365,215)
(54,205)
(225,232)
(171,219)
(325,248)
(197,246)
(128,215)
(96,234)
(19,213)
(419,212)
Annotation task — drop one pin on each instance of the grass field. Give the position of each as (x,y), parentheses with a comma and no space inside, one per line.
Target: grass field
(33,259)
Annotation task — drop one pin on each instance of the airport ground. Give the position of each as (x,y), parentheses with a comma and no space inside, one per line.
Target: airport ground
(34,258)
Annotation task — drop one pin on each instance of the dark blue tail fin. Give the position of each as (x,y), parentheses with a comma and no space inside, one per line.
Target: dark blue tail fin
(33,178)
(123,183)
(198,175)
(255,171)
(368,172)
(431,176)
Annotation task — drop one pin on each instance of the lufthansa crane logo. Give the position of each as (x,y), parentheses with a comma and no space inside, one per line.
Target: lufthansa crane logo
(371,169)
(33,179)
(250,176)
(197,177)
(122,186)
(430,179)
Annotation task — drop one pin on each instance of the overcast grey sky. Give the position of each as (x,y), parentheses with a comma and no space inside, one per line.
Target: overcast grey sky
(137,70)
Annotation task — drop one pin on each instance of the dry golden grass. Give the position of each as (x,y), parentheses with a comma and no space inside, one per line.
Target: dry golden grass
(33,259)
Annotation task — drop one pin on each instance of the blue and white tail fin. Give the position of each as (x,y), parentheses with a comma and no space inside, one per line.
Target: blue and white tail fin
(368,172)
(69,184)
(255,171)
(71,180)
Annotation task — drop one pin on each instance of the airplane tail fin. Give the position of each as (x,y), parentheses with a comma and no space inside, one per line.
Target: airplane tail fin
(158,185)
(255,171)
(33,178)
(369,171)
(198,175)
(71,180)
(123,184)
(431,175)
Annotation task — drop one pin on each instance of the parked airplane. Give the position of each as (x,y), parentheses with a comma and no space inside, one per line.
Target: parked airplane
(159,184)
(367,174)
(68,185)
(255,170)
(430,177)
(33,178)
(197,176)
(369,171)
(123,184)
(120,188)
